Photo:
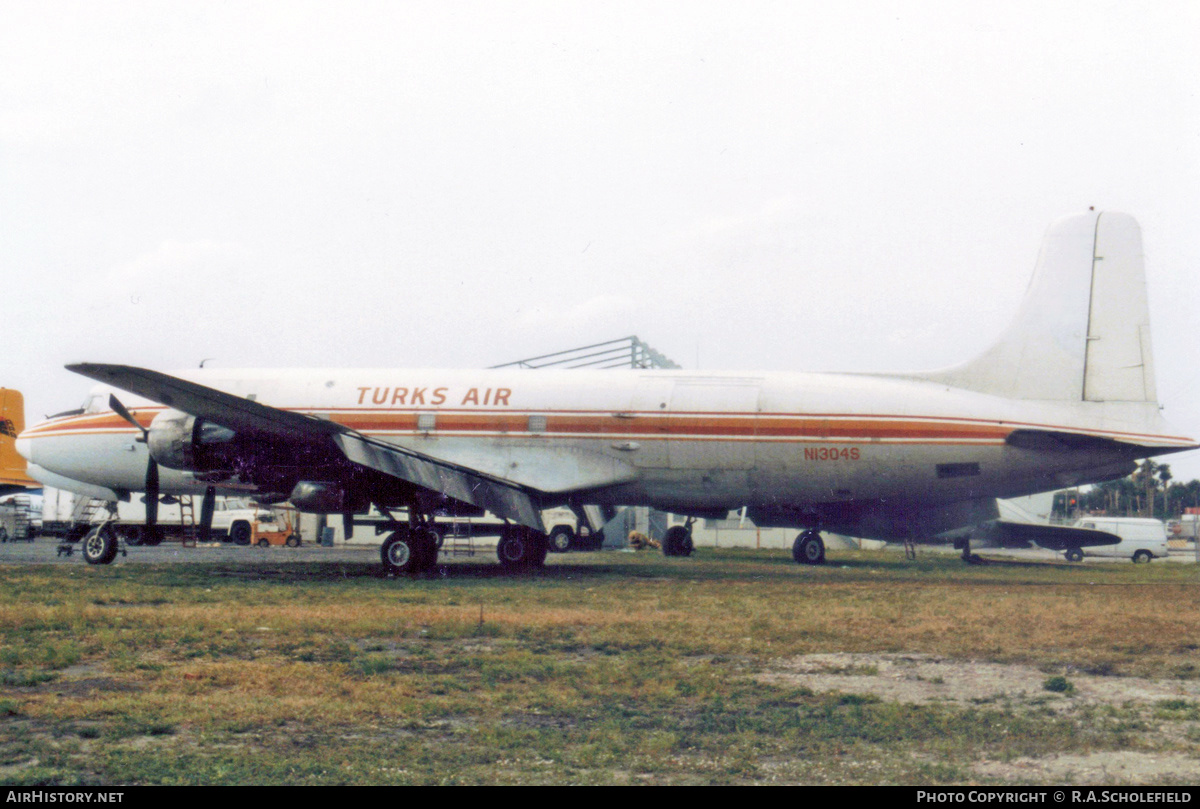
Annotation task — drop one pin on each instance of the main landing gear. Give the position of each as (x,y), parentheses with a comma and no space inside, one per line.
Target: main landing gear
(809,548)
(411,549)
(521,548)
(678,540)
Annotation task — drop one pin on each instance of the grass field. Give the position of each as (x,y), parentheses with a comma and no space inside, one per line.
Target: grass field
(602,668)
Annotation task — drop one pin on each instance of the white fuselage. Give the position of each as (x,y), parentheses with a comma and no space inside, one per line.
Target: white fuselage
(676,440)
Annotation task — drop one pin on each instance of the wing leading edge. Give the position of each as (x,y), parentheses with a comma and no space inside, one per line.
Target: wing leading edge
(239,414)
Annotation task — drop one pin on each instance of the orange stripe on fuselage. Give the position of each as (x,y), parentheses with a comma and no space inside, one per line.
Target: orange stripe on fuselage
(677,425)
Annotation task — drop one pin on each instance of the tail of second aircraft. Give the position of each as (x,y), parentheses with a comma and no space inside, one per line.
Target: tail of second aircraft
(1082,333)
(12,422)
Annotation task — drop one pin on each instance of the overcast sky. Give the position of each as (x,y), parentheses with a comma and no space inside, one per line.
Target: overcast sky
(784,186)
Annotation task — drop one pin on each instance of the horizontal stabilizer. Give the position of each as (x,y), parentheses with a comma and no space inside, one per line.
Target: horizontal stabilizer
(1052,537)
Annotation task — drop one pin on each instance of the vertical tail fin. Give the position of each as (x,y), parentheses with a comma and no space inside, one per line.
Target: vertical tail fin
(12,422)
(1083,330)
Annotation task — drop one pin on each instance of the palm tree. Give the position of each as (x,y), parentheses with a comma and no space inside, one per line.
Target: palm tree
(1145,476)
(1164,477)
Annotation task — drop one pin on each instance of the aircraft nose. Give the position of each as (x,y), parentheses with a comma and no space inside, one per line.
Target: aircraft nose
(24,447)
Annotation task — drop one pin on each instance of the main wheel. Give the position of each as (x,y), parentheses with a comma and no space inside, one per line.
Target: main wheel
(1074,555)
(521,547)
(809,548)
(3,535)
(562,538)
(677,541)
(100,545)
(1141,556)
(293,541)
(401,552)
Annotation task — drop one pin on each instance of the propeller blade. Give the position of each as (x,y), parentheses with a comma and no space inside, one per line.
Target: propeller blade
(207,507)
(120,410)
(151,494)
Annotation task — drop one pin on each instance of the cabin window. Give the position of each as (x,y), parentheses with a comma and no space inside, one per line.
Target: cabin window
(426,421)
(537,424)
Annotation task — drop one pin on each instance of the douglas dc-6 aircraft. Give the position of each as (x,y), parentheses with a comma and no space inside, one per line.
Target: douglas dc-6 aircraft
(1066,396)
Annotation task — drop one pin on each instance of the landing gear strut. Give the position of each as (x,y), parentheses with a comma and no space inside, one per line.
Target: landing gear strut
(967,556)
(809,548)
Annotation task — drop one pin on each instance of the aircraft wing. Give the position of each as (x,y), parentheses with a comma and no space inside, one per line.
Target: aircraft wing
(243,415)
(230,411)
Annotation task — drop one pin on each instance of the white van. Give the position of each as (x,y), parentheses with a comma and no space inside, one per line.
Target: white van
(1141,539)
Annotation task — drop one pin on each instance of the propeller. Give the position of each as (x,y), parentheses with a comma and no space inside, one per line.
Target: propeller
(207,506)
(151,469)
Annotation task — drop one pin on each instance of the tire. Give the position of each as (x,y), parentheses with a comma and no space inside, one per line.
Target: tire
(293,541)
(1074,555)
(1142,556)
(677,542)
(100,546)
(541,546)
(3,535)
(511,550)
(239,533)
(400,552)
(521,547)
(809,549)
(264,543)
(562,539)
(408,551)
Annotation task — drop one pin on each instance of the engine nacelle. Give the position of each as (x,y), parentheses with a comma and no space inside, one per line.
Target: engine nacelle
(181,441)
(320,497)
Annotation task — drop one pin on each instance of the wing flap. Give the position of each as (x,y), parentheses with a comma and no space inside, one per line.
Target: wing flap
(457,483)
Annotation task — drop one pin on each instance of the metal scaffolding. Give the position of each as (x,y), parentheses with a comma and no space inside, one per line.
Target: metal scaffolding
(626,352)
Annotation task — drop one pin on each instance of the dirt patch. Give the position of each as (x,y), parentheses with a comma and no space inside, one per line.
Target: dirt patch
(91,685)
(924,679)
(1100,769)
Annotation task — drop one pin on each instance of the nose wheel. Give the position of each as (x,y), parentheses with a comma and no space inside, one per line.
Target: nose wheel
(101,545)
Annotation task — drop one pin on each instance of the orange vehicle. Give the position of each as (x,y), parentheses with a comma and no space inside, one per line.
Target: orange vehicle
(284,522)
